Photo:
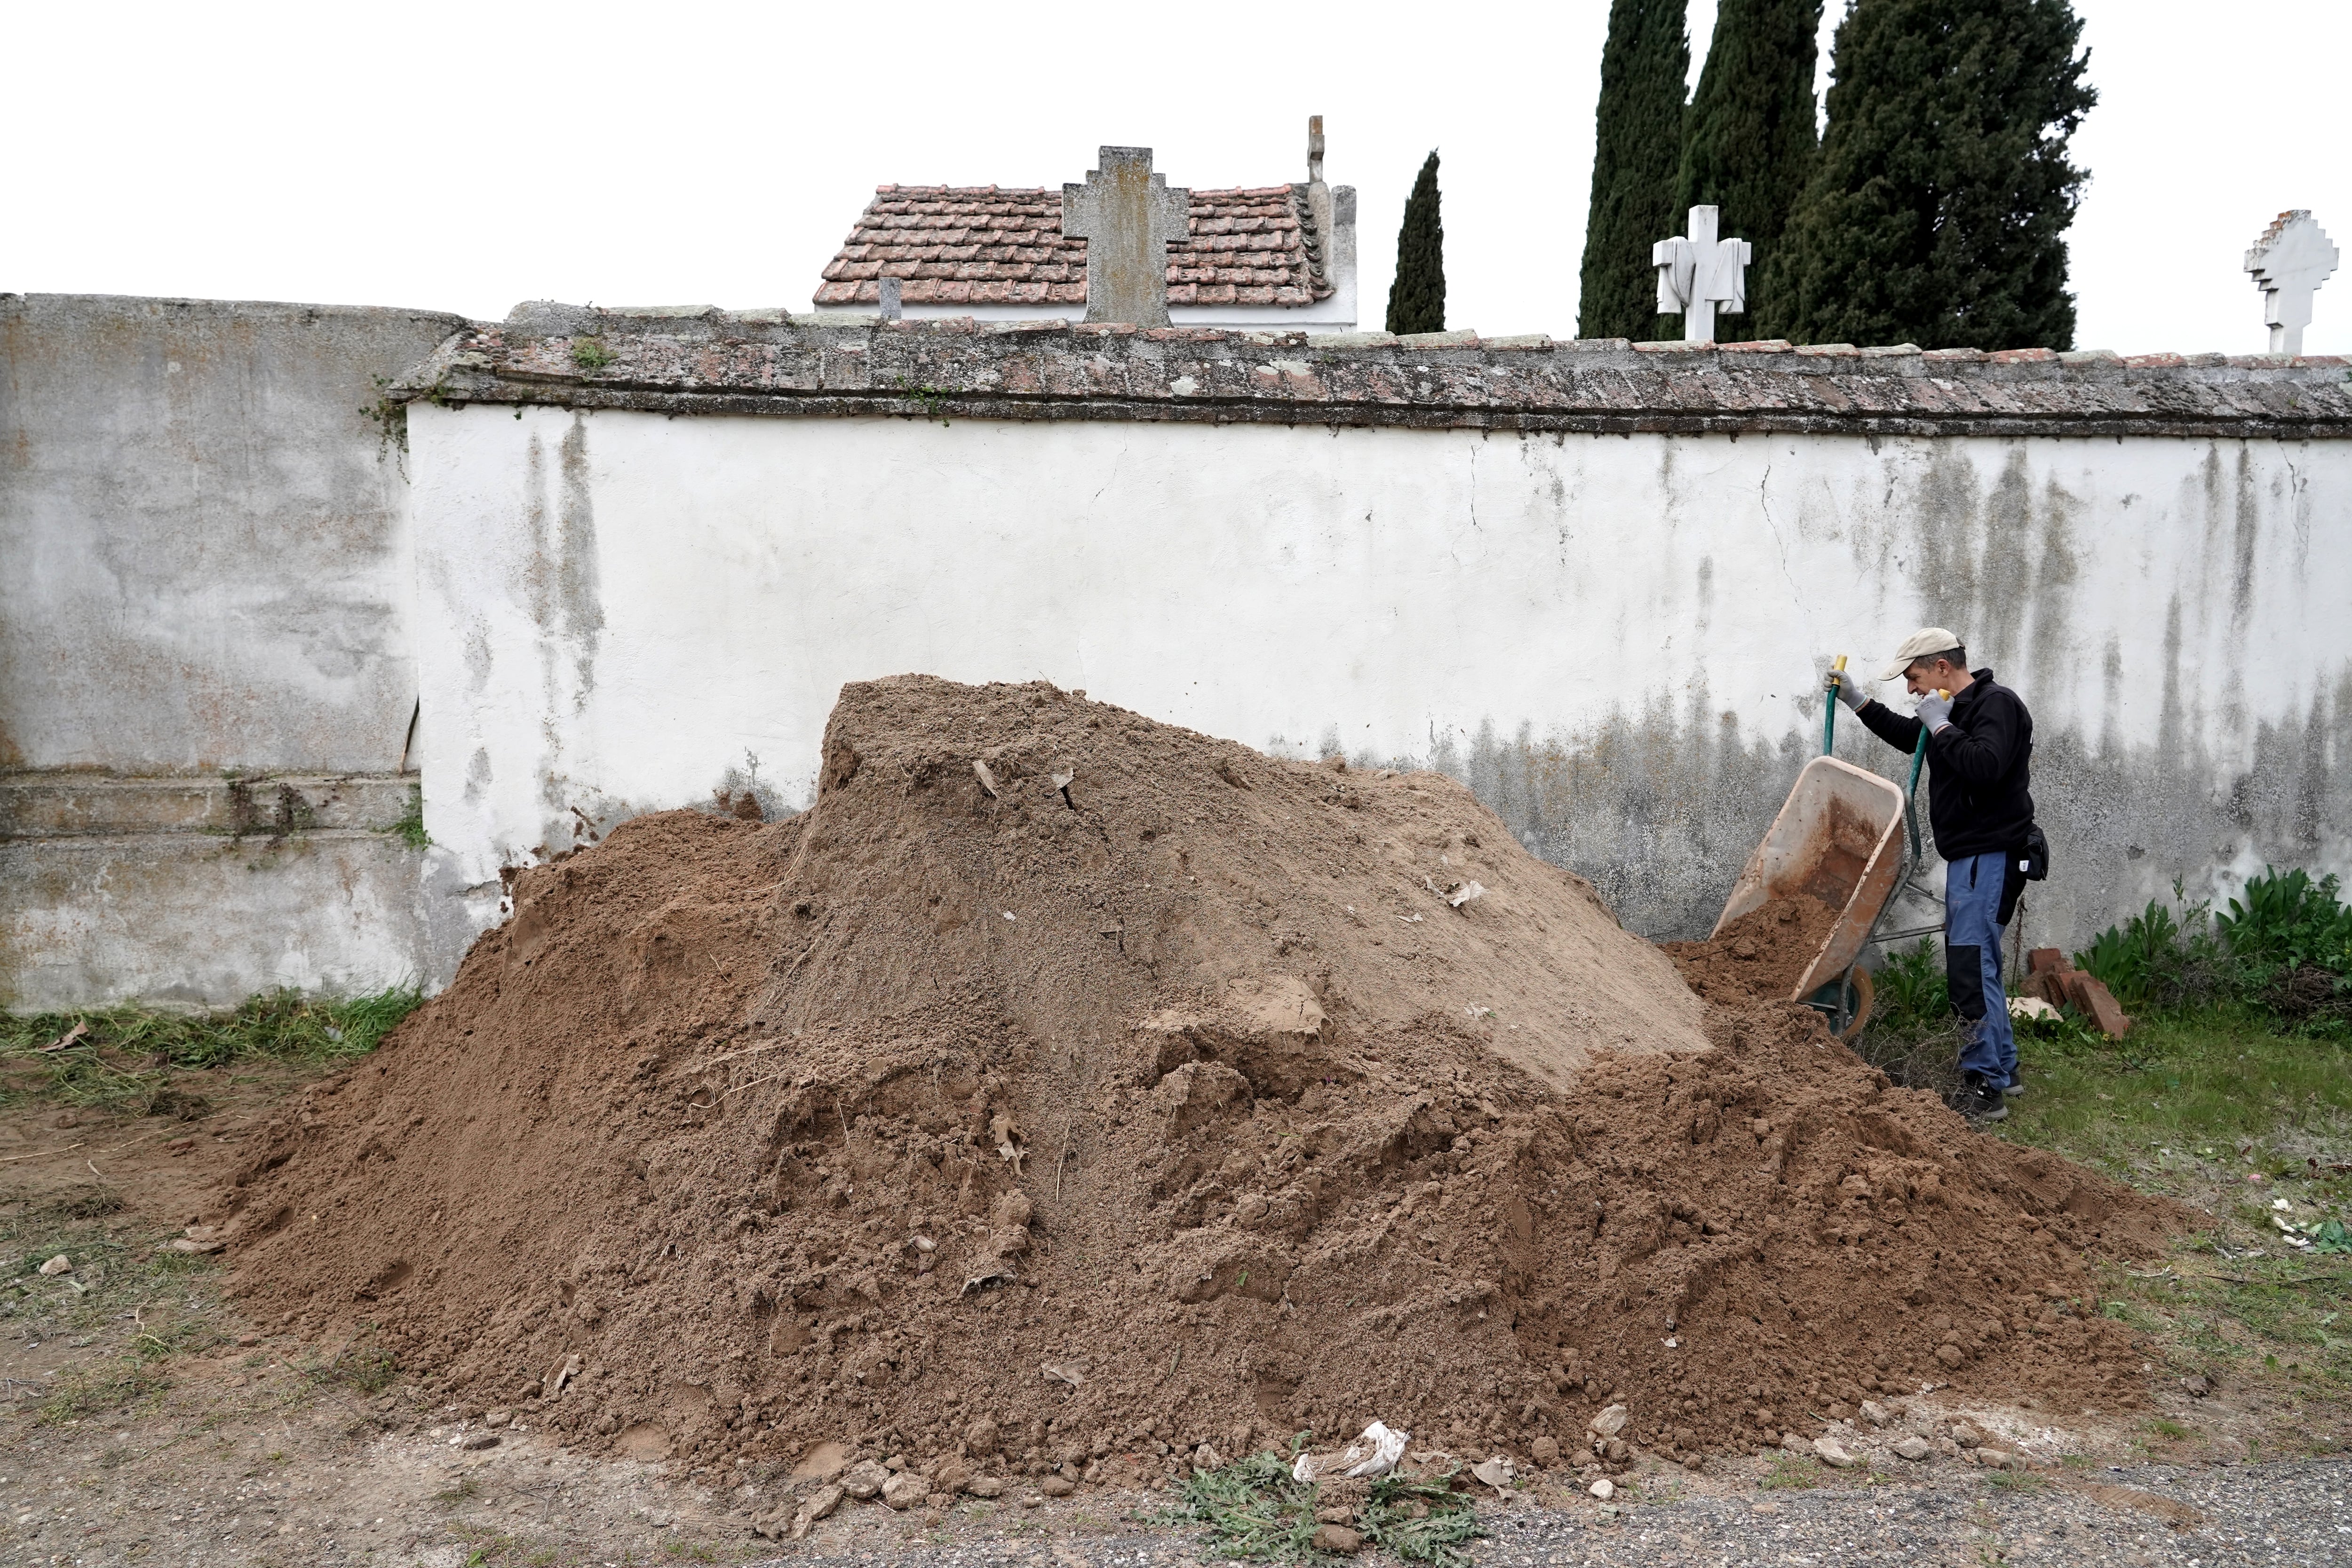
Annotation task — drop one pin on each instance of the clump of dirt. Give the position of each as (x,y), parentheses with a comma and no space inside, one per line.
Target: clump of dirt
(1762,954)
(1064,1084)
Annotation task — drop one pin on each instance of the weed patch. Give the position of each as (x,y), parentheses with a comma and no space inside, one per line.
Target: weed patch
(85,1391)
(1419,1520)
(122,1059)
(100,1387)
(409,825)
(1790,1473)
(1254,1511)
(363,1369)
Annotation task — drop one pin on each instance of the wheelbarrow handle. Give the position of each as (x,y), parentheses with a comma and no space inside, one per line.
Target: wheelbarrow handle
(1830,706)
(1910,809)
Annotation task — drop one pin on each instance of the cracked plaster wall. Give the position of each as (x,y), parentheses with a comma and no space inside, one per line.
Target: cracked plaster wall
(205,535)
(1616,639)
(204,569)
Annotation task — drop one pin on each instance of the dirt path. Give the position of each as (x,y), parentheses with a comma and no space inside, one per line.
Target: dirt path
(279,1470)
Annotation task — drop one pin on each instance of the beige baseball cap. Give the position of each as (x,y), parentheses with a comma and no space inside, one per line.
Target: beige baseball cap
(1918,645)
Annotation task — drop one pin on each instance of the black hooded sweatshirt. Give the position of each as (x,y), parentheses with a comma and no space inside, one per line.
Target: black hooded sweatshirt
(1977,802)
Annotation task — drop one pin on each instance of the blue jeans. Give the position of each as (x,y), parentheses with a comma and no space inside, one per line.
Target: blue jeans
(1972,963)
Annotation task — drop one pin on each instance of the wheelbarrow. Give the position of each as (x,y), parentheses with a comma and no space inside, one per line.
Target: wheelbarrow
(1837,838)
(1850,838)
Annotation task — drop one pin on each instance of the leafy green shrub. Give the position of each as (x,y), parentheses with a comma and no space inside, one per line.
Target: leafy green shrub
(2290,921)
(2284,946)
(2155,961)
(1912,990)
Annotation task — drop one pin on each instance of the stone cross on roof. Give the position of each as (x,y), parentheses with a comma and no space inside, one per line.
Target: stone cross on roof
(1699,275)
(1126,214)
(2290,262)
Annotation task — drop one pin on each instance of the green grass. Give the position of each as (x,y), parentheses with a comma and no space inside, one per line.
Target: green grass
(117,1278)
(1790,1472)
(2218,1075)
(125,1057)
(2224,1108)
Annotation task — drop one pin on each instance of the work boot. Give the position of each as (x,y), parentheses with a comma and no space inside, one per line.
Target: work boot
(1982,1100)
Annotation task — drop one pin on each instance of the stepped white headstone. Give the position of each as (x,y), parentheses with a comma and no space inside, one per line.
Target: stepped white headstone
(2290,262)
(1699,275)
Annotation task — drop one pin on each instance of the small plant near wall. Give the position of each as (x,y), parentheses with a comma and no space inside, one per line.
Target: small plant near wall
(409,825)
(387,414)
(590,353)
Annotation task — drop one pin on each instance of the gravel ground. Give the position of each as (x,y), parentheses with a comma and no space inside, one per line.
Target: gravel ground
(2203,1517)
(402,1501)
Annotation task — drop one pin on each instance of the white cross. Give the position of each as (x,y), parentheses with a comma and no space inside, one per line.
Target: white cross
(1701,275)
(1126,214)
(2290,262)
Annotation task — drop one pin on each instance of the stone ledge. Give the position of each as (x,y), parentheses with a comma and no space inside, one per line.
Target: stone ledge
(69,804)
(769,363)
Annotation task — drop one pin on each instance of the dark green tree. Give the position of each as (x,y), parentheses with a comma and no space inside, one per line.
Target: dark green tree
(1938,209)
(1748,144)
(1417,293)
(1636,160)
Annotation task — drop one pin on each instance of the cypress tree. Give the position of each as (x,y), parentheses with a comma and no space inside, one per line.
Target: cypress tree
(1417,293)
(1747,147)
(1636,160)
(1938,209)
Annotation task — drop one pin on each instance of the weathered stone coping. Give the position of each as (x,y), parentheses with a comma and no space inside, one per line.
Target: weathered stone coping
(771,363)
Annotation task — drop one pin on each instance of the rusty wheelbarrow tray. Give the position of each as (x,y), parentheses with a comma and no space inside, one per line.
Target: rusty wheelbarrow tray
(1839,838)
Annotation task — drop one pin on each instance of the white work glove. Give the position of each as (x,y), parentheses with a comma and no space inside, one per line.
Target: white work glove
(1934,711)
(1849,690)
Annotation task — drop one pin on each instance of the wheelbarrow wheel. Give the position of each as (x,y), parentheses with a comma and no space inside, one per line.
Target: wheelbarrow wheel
(1858,994)
(1865,994)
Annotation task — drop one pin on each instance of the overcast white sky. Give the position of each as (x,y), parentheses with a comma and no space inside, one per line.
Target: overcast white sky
(467,156)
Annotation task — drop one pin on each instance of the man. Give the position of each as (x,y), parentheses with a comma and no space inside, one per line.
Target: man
(1979,746)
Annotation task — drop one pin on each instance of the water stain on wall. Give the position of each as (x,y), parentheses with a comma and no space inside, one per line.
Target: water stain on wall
(1660,809)
(561,589)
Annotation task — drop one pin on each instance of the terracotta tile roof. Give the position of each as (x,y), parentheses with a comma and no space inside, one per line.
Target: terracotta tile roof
(980,245)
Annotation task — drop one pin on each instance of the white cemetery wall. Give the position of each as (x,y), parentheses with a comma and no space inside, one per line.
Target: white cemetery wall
(1618,639)
(205,680)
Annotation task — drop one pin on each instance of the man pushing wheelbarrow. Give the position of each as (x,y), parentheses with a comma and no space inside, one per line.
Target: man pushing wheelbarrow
(1979,743)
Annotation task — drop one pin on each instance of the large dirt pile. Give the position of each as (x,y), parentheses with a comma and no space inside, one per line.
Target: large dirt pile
(1131,1085)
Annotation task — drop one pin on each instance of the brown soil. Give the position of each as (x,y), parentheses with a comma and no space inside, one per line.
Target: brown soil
(1179,1103)
(1761,956)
